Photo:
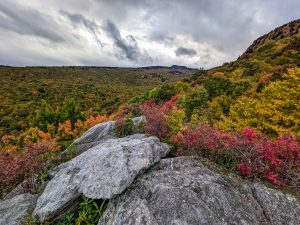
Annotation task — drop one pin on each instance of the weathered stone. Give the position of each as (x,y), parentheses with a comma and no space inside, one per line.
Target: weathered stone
(14,211)
(93,137)
(279,207)
(137,120)
(96,135)
(101,172)
(182,191)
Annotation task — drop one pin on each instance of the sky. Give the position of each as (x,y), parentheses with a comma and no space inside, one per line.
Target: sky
(134,33)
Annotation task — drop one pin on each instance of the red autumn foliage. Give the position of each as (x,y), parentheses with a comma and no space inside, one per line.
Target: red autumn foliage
(266,78)
(21,164)
(154,114)
(202,138)
(250,153)
(22,157)
(243,169)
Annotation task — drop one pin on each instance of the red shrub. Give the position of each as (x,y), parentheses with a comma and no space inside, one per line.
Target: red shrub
(18,165)
(243,169)
(275,179)
(198,139)
(154,113)
(250,153)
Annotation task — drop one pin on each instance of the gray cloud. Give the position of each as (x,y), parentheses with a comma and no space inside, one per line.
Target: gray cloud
(28,21)
(91,25)
(143,32)
(181,51)
(128,45)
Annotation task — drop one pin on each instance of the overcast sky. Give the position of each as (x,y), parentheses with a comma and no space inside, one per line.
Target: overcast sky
(196,33)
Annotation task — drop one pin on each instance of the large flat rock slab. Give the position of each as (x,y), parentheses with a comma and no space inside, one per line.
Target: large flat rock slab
(183,191)
(14,211)
(102,172)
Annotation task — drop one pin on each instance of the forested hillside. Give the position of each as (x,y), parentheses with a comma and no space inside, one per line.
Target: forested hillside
(261,88)
(95,90)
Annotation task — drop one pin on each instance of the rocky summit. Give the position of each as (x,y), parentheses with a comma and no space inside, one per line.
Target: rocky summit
(145,187)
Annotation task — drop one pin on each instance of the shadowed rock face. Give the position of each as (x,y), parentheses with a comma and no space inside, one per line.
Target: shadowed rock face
(13,211)
(183,191)
(101,172)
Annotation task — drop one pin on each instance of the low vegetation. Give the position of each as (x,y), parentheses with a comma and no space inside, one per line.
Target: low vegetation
(89,212)
(250,153)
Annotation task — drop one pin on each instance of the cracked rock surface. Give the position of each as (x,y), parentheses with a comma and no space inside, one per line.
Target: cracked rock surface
(102,172)
(13,211)
(182,191)
(279,207)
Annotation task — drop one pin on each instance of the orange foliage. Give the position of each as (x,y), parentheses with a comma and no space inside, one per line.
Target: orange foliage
(82,126)
(43,135)
(65,130)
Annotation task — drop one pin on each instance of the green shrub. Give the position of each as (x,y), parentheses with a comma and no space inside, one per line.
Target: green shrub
(196,98)
(199,74)
(45,115)
(124,127)
(217,86)
(70,111)
(89,212)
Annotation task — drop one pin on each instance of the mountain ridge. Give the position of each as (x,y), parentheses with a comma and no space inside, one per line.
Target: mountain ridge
(286,30)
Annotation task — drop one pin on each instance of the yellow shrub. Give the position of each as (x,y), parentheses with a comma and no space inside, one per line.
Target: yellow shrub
(275,111)
(175,120)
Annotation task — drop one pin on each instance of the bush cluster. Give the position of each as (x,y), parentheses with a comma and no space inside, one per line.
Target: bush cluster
(248,152)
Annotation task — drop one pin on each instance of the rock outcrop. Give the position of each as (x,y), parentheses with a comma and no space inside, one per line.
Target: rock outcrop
(145,189)
(93,137)
(182,191)
(101,172)
(286,30)
(96,134)
(14,211)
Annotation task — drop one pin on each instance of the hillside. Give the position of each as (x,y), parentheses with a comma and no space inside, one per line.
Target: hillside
(272,53)
(288,30)
(260,89)
(243,115)
(96,90)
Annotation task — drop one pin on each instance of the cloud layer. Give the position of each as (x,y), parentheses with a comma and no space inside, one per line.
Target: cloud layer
(196,33)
